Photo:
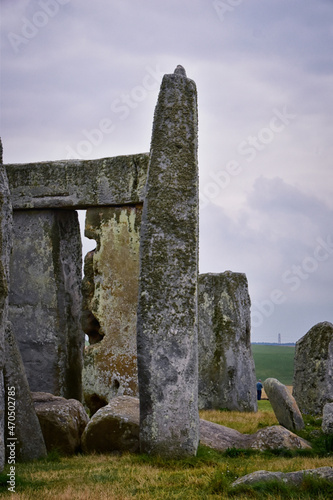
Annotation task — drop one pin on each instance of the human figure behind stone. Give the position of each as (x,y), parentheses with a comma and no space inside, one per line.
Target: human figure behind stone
(259,389)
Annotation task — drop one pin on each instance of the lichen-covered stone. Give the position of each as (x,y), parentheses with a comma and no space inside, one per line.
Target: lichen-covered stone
(274,437)
(167,312)
(27,435)
(226,367)
(313,369)
(289,478)
(45,299)
(62,422)
(6,223)
(110,301)
(78,183)
(327,423)
(114,427)
(284,405)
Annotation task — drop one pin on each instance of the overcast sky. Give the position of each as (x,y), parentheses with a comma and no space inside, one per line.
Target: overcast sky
(264,74)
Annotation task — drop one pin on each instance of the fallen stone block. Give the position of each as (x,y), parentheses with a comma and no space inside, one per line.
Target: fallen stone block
(114,427)
(296,478)
(62,422)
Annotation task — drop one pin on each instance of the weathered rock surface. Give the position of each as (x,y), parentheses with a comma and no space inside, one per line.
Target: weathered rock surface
(284,405)
(327,423)
(110,301)
(295,478)
(221,438)
(313,368)
(167,312)
(226,366)
(62,422)
(6,225)
(78,183)
(26,436)
(114,427)
(45,299)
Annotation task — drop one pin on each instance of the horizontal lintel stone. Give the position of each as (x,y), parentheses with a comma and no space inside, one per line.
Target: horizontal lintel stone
(78,184)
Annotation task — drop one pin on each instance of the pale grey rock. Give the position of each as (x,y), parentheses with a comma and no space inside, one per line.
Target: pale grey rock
(313,368)
(27,436)
(6,224)
(78,183)
(110,302)
(114,427)
(226,367)
(295,478)
(167,311)
(62,422)
(284,405)
(45,299)
(327,423)
(276,437)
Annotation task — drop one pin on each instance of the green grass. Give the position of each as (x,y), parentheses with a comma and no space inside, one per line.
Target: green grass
(207,476)
(275,361)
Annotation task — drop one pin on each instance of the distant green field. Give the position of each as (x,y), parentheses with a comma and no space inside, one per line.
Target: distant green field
(275,361)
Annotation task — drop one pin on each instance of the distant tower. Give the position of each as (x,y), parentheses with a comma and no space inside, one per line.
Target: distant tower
(279,338)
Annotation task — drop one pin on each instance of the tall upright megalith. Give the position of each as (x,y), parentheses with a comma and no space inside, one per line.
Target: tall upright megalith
(313,369)
(45,299)
(110,303)
(6,224)
(227,376)
(167,310)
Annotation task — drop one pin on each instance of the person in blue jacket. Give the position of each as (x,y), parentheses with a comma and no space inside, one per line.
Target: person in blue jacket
(259,389)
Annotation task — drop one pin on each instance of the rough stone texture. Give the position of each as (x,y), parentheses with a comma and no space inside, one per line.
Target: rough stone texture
(295,478)
(27,436)
(167,312)
(6,223)
(45,299)
(62,422)
(114,427)
(276,437)
(327,423)
(78,183)
(110,301)
(226,367)
(313,369)
(284,405)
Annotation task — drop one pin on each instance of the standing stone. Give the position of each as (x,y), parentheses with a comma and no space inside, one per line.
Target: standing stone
(27,435)
(110,302)
(45,299)
(167,311)
(284,405)
(327,423)
(6,224)
(226,367)
(313,368)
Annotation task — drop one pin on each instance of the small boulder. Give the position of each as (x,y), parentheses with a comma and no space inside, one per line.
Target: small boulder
(277,437)
(115,427)
(327,424)
(295,478)
(284,405)
(62,421)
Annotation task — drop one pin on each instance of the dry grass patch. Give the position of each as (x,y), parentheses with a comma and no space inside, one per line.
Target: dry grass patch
(247,423)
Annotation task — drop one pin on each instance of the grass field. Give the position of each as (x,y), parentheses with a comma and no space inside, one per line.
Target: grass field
(205,477)
(275,361)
